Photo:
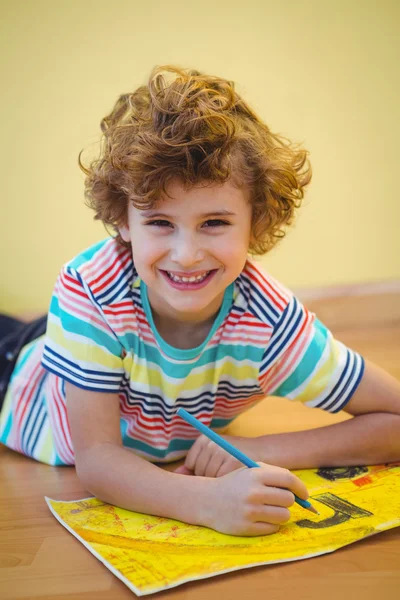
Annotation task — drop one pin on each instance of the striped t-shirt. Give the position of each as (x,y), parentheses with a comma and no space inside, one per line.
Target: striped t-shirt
(101,337)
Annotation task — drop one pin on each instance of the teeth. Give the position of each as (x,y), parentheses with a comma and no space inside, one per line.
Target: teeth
(188,279)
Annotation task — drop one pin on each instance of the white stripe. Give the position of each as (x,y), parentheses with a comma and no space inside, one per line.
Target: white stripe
(281,337)
(61,421)
(348,383)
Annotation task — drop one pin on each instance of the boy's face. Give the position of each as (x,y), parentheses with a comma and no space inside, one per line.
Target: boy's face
(203,233)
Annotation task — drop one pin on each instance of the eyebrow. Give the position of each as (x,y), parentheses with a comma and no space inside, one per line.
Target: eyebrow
(216,213)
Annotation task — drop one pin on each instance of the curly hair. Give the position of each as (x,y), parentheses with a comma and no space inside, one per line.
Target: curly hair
(197,129)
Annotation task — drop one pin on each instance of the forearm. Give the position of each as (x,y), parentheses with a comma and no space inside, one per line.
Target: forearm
(364,440)
(117,476)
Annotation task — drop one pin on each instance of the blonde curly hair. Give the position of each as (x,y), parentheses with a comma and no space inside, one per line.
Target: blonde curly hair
(195,128)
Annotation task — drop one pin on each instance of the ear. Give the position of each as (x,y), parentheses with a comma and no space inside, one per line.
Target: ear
(124,232)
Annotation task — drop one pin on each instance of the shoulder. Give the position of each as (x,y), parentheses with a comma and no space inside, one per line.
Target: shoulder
(265,297)
(104,271)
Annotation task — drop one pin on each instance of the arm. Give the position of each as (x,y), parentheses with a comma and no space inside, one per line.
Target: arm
(371,437)
(117,476)
(114,473)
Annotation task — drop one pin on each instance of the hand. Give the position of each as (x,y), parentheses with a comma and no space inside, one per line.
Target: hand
(252,501)
(207,459)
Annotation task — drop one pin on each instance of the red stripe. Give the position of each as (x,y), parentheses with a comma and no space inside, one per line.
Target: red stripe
(268,293)
(285,355)
(70,288)
(265,284)
(275,379)
(100,260)
(114,313)
(113,276)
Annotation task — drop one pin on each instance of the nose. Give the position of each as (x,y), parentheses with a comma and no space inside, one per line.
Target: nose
(187,250)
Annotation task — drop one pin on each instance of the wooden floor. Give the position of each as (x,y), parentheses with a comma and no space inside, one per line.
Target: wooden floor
(40,559)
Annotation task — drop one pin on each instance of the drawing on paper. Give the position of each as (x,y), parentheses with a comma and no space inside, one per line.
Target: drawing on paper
(151,554)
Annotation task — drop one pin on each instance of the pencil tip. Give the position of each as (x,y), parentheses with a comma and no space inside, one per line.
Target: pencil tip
(314,510)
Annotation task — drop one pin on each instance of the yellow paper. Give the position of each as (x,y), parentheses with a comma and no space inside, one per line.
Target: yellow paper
(150,554)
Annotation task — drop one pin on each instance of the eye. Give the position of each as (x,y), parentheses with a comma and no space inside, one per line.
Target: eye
(215,223)
(159,223)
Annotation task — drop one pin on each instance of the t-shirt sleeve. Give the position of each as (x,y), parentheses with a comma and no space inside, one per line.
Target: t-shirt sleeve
(80,346)
(304,362)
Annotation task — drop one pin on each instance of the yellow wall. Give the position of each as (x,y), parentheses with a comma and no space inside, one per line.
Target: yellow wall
(322,73)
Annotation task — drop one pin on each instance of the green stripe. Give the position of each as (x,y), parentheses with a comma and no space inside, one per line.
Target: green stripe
(77,326)
(176,445)
(152,356)
(307,363)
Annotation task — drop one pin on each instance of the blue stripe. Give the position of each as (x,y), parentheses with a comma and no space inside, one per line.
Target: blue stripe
(353,387)
(32,446)
(331,398)
(265,302)
(265,308)
(37,408)
(71,367)
(347,378)
(113,292)
(154,404)
(282,336)
(99,386)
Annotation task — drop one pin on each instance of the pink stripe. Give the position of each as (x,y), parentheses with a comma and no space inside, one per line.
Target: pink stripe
(111,267)
(115,272)
(228,408)
(275,376)
(62,420)
(71,284)
(78,309)
(276,295)
(100,262)
(33,371)
(269,281)
(52,412)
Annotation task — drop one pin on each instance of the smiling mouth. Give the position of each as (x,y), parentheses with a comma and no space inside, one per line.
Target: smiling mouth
(189,282)
(187,279)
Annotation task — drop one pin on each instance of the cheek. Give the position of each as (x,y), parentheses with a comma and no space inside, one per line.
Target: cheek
(146,250)
(234,249)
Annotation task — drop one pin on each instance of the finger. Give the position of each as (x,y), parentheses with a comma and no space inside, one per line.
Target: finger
(215,464)
(272,496)
(227,466)
(195,450)
(269,514)
(281,478)
(202,461)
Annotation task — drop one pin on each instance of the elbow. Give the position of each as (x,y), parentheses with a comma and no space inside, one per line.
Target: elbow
(85,476)
(87,470)
(93,470)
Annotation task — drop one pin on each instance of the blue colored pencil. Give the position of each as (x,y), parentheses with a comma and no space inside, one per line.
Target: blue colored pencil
(232,450)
